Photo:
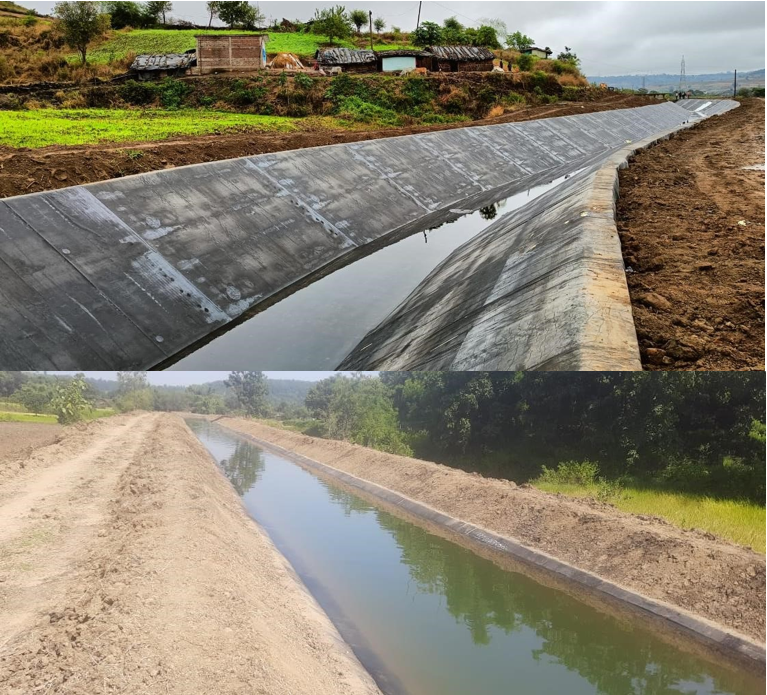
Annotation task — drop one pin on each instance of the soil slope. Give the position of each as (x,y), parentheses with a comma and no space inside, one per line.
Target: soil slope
(128,564)
(48,168)
(712,578)
(691,220)
(20,438)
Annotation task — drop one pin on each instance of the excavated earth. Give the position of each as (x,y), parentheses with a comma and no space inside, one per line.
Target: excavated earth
(128,564)
(47,168)
(693,570)
(691,221)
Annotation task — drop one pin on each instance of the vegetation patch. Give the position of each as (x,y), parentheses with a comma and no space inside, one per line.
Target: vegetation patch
(44,127)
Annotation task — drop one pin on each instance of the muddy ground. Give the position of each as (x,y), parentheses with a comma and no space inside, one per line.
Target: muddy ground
(128,564)
(695,571)
(691,220)
(48,168)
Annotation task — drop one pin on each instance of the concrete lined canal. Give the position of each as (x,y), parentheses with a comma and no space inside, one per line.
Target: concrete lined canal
(426,616)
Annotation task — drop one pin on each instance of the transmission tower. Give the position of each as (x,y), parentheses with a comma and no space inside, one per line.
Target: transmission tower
(682,78)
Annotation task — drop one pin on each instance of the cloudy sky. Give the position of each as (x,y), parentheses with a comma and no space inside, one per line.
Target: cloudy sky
(611,38)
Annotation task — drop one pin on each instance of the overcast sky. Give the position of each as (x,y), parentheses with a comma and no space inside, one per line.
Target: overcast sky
(611,38)
(191,378)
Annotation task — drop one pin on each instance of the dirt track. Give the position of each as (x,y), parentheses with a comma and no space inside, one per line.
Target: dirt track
(127,564)
(695,571)
(48,168)
(691,221)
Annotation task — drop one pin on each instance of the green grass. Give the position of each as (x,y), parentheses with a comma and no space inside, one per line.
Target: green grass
(739,521)
(48,418)
(44,127)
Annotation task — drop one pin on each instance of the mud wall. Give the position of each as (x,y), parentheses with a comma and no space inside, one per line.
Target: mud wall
(125,273)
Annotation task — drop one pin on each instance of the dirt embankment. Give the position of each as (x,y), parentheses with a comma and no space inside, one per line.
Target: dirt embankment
(695,571)
(691,220)
(48,168)
(128,564)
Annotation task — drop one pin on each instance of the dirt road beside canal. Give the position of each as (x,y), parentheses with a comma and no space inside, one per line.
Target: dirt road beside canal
(695,571)
(128,564)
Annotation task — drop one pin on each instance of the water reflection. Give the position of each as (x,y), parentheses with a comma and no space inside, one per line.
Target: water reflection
(243,466)
(489,213)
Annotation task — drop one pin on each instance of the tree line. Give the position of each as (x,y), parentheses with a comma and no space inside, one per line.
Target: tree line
(694,431)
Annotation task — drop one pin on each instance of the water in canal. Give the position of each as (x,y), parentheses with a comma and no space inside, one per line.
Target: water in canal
(317,326)
(428,617)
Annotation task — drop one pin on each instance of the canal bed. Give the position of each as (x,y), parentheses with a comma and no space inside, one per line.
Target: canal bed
(428,617)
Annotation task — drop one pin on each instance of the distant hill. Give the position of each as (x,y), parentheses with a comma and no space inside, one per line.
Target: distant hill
(712,83)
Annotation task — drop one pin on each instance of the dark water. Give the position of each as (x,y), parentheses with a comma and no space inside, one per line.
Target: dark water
(316,327)
(428,617)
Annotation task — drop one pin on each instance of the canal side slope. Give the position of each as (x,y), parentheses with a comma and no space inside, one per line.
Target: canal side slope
(128,564)
(695,571)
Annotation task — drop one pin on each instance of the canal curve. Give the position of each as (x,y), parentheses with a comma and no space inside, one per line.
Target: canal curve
(428,617)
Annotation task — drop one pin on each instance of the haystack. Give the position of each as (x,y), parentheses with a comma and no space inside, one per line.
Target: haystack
(285,61)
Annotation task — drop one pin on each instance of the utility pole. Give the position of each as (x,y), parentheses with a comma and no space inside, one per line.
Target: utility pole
(682,78)
(735,85)
(370,16)
(418,23)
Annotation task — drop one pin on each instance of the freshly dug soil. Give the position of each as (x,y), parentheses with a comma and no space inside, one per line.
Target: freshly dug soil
(48,168)
(128,564)
(695,571)
(691,220)
(20,438)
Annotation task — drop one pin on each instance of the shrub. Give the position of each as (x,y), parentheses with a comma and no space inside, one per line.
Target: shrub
(137,93)
(355,109)
(69,403)
(172,92)
(609,490)
(303,81)
(525,62)
(571,473)
(570,93)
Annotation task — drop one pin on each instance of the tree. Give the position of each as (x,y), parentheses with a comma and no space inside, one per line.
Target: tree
(35,396)
(379,24)
(251,389)
(69,403)
(159,8)
(319,397)
(486,36)
(428,34)
(519,41)
(332,22)
(129,14)
(567,56)
(128,382)
(11,382)
(133,392)
(498,25)
(213,9)
(358,18)
(241,14)
(453,32)
(81,22)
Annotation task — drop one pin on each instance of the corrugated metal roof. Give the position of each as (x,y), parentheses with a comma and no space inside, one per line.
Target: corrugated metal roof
(397,52)
(164,61)
(464,53)
(344,56)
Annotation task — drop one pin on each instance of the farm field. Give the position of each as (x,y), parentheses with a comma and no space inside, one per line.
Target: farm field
(178,41)
(45,127)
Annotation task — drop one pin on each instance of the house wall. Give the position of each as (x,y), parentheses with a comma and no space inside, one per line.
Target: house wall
(230,52)
(538,54)
(483,66)
(398,63)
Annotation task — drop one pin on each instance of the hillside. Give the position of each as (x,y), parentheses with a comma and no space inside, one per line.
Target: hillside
(712,82)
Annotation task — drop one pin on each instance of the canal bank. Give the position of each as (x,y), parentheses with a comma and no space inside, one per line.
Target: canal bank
(426,615)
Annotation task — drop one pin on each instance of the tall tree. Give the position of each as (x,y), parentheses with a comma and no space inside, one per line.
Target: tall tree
(159,8)
(239,14)
(358,18)
(379,24)
(332,22)
(81,23)
(213,7)
(428,34)
(251,390)
(519,41)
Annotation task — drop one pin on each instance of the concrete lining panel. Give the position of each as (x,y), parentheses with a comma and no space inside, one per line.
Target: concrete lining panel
(129,272)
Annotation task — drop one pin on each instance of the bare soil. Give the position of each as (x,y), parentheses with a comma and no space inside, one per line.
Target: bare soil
(128,564)
(693,570)
(691,220)
(48,168)
(21,438)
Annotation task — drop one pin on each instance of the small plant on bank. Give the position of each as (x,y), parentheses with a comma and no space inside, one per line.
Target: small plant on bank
(571,473)
(69,404)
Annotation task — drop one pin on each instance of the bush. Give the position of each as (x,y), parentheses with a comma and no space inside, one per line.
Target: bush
(609,490)
(525,62)
(172,92)
(69,403)
(355,109)
(137,93)
(571,473)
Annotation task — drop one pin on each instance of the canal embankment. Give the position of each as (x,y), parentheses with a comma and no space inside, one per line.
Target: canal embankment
(715,584)
(128,564)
